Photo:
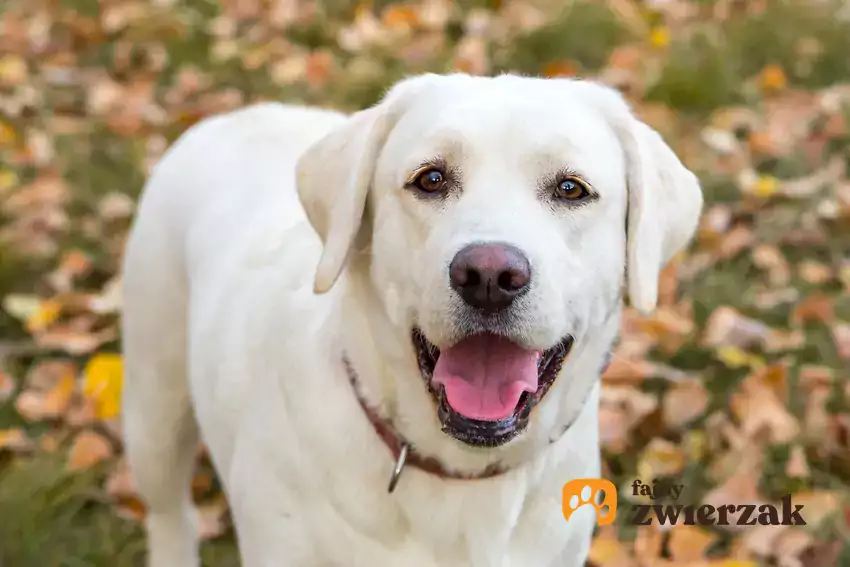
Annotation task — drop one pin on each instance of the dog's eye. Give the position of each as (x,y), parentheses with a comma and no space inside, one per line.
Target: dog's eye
(430,181)
(571,189)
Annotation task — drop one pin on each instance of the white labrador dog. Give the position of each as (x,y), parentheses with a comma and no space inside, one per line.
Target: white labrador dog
(444,314)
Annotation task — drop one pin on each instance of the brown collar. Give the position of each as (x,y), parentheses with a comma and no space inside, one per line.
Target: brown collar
(402,452)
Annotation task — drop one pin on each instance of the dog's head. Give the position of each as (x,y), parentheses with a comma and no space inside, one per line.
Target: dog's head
(498,218)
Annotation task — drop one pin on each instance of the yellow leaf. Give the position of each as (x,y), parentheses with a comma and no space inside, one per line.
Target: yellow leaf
(732,356)
(735,357)
(104,376)
(8,179)
(48,311)
(7,135)
(773,78)
(765,186)
(13,69)
(659,37)
(696,445)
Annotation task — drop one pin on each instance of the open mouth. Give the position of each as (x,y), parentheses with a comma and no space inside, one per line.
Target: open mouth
(486,386)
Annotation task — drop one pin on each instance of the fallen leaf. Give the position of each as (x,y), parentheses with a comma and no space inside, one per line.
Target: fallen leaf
(689,543)
(741,487)
(34,405)
(770,258)
(760,405)
(115,206)
(790,545)
(120,483)
(649,543)
(797,465)
(761,540)
(73,341)
(659,37)
(728,327)
(764,186)
(74,264)
(87,450)
(841,338)
(607,551)
(684,402)
(562,68)
(815,272)
(45,374)
(15,440)
(109,300)
(131,508)
(21,306)
(211,519)
(622,369)
(817,307)
(735,357)
(818,505)
(102,383)
(7,386)
(660,458)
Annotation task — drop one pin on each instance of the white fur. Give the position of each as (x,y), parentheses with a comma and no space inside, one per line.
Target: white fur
(226,339)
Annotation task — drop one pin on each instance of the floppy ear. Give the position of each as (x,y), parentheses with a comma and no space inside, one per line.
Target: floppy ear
(665,202)
(334,175)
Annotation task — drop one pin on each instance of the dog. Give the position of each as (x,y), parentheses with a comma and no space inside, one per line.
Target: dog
(388,328)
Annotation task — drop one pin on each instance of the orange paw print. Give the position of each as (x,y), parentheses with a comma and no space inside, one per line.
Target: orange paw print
(585,491)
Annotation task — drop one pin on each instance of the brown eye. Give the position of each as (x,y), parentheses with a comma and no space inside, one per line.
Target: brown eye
(431,181)
(571,189)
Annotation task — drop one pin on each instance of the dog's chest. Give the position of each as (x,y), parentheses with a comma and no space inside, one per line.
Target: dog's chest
(438,523)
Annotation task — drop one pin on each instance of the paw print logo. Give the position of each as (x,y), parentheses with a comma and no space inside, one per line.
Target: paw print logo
(596,492)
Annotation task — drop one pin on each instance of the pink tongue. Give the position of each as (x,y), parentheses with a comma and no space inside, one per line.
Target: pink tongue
(484,376)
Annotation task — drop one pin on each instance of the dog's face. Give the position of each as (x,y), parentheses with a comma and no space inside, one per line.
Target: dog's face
(495,213)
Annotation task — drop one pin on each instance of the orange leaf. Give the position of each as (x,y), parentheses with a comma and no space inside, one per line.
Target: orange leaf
(88,449)
(773,79)
(400,16)
(319,65)
(689,543)
(761,143)
(817,307)
(131,508)
(561,68)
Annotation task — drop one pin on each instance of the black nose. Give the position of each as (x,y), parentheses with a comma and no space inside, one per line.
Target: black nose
(490,276)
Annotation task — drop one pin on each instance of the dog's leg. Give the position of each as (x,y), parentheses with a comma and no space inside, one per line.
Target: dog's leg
(160,431)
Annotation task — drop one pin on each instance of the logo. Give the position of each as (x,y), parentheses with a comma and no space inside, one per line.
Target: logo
(599,493)
(586,491)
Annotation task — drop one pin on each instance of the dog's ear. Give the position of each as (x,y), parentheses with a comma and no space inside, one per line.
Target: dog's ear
(334,175)
(664,203)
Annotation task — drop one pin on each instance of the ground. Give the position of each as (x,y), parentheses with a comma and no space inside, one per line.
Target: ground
(737,387)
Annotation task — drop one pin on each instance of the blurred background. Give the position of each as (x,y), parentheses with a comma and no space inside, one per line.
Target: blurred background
(738,386)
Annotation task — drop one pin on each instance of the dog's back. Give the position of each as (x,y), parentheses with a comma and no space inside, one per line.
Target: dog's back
(227,184)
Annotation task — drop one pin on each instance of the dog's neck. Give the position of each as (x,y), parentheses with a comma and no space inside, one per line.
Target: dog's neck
(402,452)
